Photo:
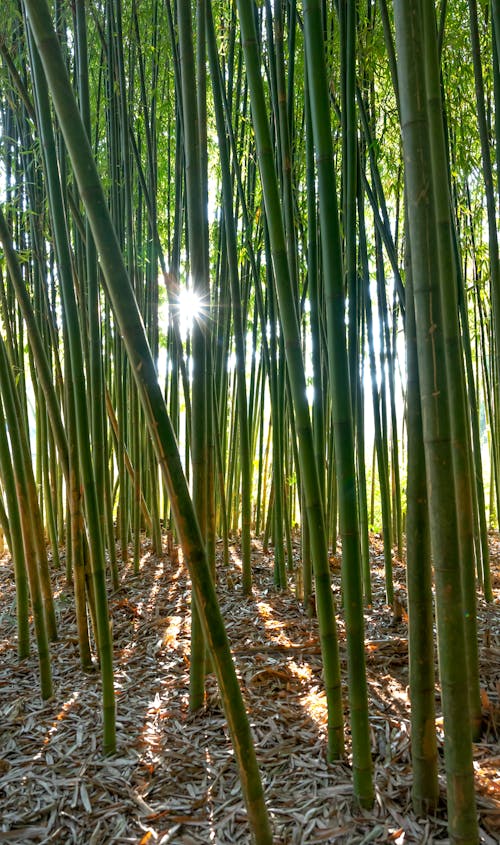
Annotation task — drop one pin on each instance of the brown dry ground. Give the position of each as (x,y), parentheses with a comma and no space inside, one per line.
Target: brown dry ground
(173,779)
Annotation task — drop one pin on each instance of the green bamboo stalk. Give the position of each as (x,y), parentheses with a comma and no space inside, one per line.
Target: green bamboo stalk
(487,170)
(15,542)
(82,423)
(125,306)
(285,148)
(290,328)
(199,273)
(205,292)
(75,526)
(277,453)
(239,338)
(27,489)
(315,292)
(454,364)
(476,444)
(36,342)
(341,401)
(5,530)
(97,410)
(381,435)
(9,416)
(425,789)
(436,425)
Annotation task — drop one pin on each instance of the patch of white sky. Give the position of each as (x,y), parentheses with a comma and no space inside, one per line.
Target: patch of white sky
(400,368)
(188,307)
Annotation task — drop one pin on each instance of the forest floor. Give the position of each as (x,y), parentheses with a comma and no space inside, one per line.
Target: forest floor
(174,779)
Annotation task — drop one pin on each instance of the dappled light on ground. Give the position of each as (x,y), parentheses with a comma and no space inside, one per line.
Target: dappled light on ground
(174,778)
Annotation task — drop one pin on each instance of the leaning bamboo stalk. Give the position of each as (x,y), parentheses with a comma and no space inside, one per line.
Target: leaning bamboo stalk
(15,542)
(143,368)
(37,345)
(9,418)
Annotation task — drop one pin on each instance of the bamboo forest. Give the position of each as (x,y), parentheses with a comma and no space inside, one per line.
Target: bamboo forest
(249,422)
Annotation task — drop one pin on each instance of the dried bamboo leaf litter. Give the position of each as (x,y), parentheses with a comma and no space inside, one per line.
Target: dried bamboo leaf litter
(174,778)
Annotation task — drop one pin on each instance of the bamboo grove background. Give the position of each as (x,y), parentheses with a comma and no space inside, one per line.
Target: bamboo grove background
(321,177)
